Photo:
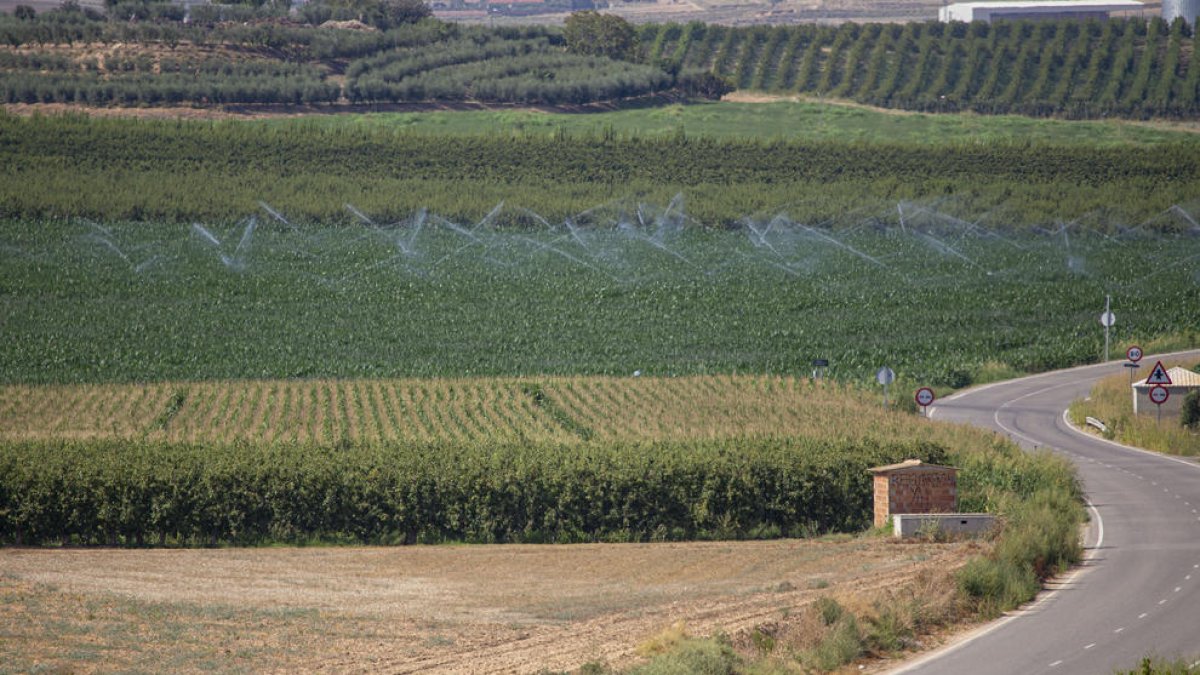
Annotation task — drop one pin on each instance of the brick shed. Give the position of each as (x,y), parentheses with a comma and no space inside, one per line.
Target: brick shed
(914,487)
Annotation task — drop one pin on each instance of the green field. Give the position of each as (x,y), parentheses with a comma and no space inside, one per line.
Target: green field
(789,120)
(938,299)
(176,171)
(533,460)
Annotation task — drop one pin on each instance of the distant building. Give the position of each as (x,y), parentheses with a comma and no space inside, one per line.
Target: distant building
(530,7)
(1031,9)
(1187,9)
(1183,382)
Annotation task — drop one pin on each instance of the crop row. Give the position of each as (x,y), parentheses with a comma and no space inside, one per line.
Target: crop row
(1083,69)
(555,410)
(699,479)
(191,171)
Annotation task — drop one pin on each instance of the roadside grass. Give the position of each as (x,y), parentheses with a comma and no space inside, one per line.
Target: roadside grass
(1111,402)
(1039,501)
(1155,665)
(783,120)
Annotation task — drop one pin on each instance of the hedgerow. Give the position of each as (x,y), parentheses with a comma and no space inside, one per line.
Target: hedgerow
(138,493)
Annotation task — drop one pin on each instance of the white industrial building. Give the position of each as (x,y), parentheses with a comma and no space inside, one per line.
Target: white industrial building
(1030,9)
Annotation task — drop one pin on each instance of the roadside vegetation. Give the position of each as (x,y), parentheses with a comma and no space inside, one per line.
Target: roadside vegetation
(1153,665)
(1111,402)
(1040,501)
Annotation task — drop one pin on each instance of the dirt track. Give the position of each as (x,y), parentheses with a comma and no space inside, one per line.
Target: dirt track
(416,609)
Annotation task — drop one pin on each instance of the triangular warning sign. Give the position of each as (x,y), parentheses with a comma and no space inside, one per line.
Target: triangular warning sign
(1158,375)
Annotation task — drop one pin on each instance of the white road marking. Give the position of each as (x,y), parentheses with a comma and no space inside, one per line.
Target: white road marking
(1087,647)
(1163,601)
(1143,615)
(1058,662)
(1188,578)
(1099,524)
(1119,629)
(1177,589)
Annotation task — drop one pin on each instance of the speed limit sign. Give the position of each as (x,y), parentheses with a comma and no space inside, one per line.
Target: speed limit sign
(1134,353)
(924,397)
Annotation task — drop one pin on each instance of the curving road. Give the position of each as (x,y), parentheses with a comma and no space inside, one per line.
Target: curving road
(1138,591)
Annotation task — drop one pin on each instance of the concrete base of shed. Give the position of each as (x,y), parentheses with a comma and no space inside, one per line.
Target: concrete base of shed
(912,524)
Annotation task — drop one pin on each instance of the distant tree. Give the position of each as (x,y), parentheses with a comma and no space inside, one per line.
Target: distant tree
(594,34)
(24,12)
(1190,415)
(703,84)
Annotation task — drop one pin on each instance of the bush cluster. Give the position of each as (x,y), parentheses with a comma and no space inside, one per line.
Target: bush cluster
(137,493)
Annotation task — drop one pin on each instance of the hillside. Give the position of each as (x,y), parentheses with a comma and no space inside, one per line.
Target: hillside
(1128,68)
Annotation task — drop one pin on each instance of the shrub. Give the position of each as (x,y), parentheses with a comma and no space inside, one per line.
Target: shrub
(703,84)
(693,657)
(1189,416)
(841,645)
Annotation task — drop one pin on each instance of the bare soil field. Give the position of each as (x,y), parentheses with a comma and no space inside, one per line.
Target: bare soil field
(477,609)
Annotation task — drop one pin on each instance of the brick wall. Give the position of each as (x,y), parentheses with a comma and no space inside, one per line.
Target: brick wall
(914,491)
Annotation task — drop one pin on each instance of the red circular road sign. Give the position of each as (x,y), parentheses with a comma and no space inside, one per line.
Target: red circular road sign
(924,396)
(1159,395)
(1134,353)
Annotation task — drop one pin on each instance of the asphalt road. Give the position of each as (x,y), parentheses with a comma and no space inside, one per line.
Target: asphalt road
(1138,591)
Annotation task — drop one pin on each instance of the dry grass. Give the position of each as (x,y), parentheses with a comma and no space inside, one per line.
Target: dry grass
(436,608)
(1110,402)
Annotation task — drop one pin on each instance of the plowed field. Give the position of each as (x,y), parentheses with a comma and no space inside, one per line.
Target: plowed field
(419,609)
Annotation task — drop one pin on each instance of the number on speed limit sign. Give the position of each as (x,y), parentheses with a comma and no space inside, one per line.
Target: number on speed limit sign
(924,397)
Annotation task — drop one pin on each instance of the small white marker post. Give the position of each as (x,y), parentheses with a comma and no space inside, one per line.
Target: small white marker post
(924,398)
(1107,319)
(885,376)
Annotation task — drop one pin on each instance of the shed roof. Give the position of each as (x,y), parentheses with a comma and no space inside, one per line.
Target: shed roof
(911,465)
(1180,377)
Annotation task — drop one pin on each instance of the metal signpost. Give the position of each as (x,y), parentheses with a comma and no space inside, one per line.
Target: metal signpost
(819,366)
(1158,396)
(1134,354)
(1107,319)
(1159,393)
(885,376)
(924,398)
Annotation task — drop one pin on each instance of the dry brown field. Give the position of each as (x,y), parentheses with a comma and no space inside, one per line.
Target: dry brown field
(444,609)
